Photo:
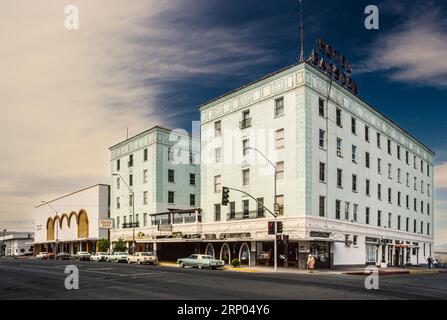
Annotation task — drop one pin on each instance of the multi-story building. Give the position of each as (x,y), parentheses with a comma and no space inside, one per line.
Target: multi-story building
(155,181)
(353,188)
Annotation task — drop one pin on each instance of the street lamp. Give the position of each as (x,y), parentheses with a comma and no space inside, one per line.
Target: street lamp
(56,240)
(133,210)
(275,207)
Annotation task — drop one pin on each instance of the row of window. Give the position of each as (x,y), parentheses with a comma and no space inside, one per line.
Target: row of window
(380,217)
(171,199)
(367,135)
(171,178)
(171,156)
(246,213)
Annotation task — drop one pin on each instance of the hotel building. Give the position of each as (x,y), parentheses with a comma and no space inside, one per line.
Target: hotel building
(155,184)
(353,187)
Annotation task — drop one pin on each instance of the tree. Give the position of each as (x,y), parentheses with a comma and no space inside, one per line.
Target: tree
(119,245)
(103,245)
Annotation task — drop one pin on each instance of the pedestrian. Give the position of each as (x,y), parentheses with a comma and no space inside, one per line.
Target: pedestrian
(310,262)
(429,262)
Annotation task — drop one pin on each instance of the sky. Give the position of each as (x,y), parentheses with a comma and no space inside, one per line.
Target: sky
(68,95)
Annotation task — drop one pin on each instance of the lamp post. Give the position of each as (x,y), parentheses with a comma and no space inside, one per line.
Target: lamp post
(56,240)
(133,210)
(275,206)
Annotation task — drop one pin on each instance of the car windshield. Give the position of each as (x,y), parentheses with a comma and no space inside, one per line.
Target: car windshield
(207,257)
(193,256)
(121,253)
(145,254)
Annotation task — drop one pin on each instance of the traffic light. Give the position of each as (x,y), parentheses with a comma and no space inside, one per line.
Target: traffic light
(225,196)
(271,227)
(280,227)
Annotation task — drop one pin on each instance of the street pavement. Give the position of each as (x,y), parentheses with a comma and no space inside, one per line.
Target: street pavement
(37,279)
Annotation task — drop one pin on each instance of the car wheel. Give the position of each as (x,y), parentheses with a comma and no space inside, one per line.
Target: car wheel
(138,262)
(200,267)
(182,265)
(128,261)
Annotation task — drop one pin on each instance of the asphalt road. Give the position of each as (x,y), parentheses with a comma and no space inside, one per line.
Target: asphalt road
(37,279)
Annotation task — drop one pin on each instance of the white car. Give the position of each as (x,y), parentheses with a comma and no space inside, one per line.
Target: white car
(99,256)
(42,255)
(117,257)
(142,258)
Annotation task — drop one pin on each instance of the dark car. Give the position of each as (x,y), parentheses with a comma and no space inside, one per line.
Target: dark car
(63,256)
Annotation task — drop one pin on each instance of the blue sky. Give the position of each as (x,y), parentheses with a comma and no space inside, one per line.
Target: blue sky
(72,94)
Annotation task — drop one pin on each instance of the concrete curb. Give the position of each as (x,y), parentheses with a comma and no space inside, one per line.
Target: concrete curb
(226,268)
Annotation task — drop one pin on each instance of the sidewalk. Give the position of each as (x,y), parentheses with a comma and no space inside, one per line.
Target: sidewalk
(353,271)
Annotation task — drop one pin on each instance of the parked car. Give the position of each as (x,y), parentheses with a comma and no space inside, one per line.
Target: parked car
(63,256)
(99,256)
(142,258)
(42,254)
(81,256)
(117,257)
(200,261)
(49,256)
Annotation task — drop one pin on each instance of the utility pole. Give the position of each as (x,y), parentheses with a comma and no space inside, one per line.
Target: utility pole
(133,211)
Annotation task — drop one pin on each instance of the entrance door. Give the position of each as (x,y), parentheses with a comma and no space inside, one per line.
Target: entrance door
(225,254)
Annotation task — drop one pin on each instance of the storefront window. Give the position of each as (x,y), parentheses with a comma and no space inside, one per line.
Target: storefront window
(321,253)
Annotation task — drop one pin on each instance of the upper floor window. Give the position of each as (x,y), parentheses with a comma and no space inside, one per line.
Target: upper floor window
(353,125)
(192,179)
(145,155)
(354,183)
(118,183)
(246,119)
(322,206)
(354,153)
(170,154)
(279,106)
(322,172)
(217,128)
(280,202)
(217,155)
(339,147)
(171,198)
(246,177)
(171,175)
(130,163)
(118,165)
(367,133)
(145,177)
(144,197)
(338,117)
(379,137)
(322,138)
(367,159)
(280,170)
(389,147)
(130,179)
(422,166)
(192,199)
(339,178)
(337,209)
(321,107)
(217,184)
(398,152)
(407,157)
(245,147)
(279,139)
(217,212)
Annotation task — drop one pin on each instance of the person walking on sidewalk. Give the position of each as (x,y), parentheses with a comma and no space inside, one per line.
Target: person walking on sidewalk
(429,260)
(310,262)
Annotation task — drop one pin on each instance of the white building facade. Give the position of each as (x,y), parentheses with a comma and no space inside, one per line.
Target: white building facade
(72,223)
(155,180)
(17,244)
(353,187)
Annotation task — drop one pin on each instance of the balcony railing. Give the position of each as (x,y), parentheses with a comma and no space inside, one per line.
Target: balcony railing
(245,123)
(128,225)
(254,214)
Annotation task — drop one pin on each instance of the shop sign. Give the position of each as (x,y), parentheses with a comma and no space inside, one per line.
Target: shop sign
(165,227)
(105,224)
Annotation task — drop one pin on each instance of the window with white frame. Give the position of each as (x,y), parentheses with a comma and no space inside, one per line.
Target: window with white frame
(279,139)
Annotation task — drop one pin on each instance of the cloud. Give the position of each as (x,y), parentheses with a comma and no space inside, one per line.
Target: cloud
(66,96)
(414,51)
(441,176)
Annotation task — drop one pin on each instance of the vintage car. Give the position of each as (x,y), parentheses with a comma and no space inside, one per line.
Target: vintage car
(200,261)
(117,257)
(81,256)
(99,256)
(63,256)
(41,255)
(142,258)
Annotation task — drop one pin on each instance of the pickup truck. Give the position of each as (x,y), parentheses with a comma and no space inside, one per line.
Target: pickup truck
(117,257)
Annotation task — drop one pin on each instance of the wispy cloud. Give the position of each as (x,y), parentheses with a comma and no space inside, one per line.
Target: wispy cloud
(66,96)
(413,52)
